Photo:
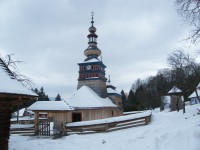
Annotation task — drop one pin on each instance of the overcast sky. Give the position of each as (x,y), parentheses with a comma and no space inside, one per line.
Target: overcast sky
(135,37)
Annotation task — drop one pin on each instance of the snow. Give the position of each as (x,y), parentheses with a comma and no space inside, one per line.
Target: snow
(50,105)
(174,90)
(198,86)
(21,112)
(132,112)
(109,120)
(25,118)
(167,131)
(85,98)
(194,94)
(112,91)
(12,86)
(21,126)
(92,60)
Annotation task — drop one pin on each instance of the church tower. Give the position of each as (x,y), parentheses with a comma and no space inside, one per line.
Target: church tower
(92,70)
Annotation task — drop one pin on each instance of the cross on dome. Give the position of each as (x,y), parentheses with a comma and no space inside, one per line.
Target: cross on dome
(92,18)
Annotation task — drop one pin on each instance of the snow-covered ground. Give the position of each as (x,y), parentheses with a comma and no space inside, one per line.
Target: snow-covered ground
(167,131)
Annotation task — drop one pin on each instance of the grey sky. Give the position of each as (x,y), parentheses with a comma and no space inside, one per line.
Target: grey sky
(135,37)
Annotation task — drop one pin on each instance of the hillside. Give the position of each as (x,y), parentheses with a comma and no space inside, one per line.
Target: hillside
(167,131)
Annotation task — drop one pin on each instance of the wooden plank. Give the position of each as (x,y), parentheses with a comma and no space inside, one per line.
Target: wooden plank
(132,123)
(126,127)
(22,132)
(11,95)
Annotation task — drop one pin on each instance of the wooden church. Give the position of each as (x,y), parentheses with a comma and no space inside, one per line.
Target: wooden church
(92,99)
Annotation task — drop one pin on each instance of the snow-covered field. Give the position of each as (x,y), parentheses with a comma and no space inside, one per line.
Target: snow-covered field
(167,131)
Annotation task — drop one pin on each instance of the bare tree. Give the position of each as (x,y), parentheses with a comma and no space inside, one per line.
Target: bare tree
(178,59)
(12,65)
(190,11)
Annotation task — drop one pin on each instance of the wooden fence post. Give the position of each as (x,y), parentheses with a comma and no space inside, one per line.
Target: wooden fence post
(106,127)
(36,122)
(146,120)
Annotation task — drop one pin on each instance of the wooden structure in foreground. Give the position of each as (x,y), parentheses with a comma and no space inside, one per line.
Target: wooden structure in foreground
(109,126)
(7,102)
(59,112)
(12,93)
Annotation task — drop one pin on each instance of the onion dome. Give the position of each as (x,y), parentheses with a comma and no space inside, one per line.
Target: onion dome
(92,51)
(92,29)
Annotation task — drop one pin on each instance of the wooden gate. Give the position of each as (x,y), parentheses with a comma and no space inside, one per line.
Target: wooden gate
(44,127)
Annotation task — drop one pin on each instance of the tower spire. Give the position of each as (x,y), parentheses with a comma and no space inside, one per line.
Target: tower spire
(92,51)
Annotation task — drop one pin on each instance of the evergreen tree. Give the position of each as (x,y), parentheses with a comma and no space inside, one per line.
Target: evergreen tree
(123,97)
(58,97)
(41,94)
(131,104)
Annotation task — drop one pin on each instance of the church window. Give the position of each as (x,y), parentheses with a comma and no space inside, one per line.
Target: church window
(81,68)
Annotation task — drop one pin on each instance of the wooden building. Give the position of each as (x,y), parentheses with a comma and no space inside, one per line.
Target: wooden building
(195,96)
(99,102)
(89,106)
(93,99)
(115,96)
(176,99)
(59,111)
(12,93)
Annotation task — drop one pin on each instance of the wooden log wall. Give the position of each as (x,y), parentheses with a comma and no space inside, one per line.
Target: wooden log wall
(5,116)
(7,103)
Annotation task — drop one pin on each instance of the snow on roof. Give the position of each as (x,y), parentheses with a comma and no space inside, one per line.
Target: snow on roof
(50,105)
(174,90)
(85,97)
(111,91)
(21,111)
(194,94)
(198,86)
(12,86)
(91,60)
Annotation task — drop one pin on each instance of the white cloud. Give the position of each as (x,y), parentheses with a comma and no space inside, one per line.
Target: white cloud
(135,38)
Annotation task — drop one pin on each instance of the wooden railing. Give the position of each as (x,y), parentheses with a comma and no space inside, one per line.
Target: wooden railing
(107,126)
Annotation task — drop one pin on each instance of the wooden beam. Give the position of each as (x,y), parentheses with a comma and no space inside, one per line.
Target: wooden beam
(10,95)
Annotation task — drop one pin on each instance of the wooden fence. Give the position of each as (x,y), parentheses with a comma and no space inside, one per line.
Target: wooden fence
(108,127)
(95,127)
